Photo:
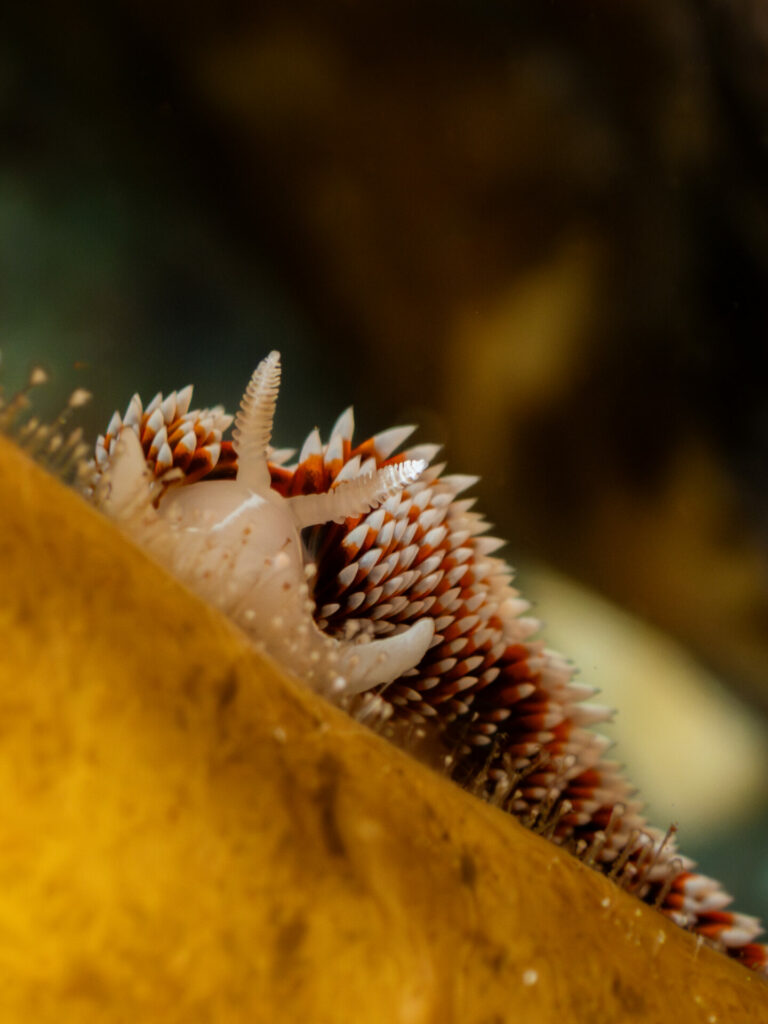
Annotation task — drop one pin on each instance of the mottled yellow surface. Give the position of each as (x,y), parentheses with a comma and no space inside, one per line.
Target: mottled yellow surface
(186,835)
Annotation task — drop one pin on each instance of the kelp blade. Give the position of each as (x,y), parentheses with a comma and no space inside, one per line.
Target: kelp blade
(187,835)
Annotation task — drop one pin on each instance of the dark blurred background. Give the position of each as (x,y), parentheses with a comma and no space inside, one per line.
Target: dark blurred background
(538,230)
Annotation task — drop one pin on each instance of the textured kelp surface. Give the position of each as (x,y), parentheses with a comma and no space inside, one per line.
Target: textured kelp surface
(187,835)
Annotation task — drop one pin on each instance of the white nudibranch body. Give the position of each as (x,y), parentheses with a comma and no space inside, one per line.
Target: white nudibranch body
(237,543)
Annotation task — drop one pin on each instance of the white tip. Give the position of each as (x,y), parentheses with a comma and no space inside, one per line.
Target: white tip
(164,456)
(188,443)
(183,398)
(349,470)
(423,451)
(459,482)
(389,441)
(133,413)
(312,446)
(168,407)
(155,422)
(344,427)
(114,424)
(154,403)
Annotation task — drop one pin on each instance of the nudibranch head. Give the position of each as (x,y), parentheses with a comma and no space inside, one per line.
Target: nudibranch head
(236,540)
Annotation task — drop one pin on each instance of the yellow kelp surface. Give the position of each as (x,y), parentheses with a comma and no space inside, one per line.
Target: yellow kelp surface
(187,835)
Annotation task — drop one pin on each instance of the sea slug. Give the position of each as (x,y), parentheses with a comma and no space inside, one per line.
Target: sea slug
(368,574)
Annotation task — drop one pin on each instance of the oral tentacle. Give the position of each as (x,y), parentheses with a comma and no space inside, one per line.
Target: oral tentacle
(356,497)
(364,666)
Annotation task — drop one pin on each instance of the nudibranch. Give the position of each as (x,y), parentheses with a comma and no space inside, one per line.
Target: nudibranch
(365,572)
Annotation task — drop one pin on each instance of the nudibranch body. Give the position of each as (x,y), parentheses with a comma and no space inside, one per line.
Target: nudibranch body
(362,569)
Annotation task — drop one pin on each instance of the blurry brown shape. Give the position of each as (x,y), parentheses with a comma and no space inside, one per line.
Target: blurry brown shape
(509,360)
